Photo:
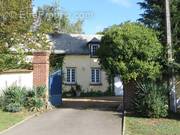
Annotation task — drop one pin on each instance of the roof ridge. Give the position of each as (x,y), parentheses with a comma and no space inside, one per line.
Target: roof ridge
(86,34)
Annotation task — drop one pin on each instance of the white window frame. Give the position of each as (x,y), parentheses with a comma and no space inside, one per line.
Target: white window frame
(69,76)
(93,52)
(96,80)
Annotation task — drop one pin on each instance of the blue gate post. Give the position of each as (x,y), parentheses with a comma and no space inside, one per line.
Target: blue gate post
(55,91)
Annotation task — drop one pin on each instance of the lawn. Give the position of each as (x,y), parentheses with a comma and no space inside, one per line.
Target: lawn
(145,126)
(9,119)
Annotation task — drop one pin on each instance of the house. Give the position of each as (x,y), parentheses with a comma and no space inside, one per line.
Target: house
(81,66)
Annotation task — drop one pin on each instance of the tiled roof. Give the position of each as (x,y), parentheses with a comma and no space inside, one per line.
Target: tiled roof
(73,43)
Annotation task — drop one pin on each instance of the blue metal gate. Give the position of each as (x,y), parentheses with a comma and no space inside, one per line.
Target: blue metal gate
(55,91)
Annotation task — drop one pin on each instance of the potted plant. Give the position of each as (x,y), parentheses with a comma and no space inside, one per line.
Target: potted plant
(78,90)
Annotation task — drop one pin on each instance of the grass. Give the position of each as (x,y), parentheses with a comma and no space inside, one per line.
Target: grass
(9,119)
(147,126)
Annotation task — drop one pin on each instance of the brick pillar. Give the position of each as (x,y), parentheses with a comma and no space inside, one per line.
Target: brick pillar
(41,68)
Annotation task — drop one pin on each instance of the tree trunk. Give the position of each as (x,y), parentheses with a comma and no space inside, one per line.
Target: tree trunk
(172,79)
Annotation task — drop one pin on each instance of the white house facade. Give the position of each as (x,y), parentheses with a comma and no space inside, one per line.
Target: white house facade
(81,66)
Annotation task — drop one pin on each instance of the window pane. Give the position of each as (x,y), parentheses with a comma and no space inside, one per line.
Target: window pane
(94,49)
(68,75)
(97,76)
(93,75)
(73,77)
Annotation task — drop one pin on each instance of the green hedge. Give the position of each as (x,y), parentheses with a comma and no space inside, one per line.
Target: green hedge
(92,93)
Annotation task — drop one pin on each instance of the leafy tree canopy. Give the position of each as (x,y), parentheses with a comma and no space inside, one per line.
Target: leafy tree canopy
(154,17)
(15,20)
(131,50)
(53,19)
(15,17)
(18,33)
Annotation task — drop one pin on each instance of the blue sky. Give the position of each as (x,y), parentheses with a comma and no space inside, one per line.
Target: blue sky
(98,14)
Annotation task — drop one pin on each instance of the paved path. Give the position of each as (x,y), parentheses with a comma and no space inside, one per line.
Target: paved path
(71,121)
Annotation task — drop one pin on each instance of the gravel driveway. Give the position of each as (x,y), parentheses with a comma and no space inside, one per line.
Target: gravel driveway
(72,121)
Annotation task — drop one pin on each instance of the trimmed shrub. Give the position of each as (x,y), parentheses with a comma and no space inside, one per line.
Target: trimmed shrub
(92,94)
(97,93)
(151,100)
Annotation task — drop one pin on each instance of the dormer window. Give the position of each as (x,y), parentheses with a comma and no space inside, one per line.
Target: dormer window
(93,49)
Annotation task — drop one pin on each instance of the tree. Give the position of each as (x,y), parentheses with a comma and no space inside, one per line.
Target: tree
(154,17)
(19,35)
(172,79)
(53,19)
(16,40)
(16,19)
(133,52)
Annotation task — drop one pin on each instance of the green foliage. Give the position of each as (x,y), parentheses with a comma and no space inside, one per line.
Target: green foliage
(96,94)
(41,91)
(34,103)
(67,94)
(38,104)
(16,22)
(13,96)
(53,19)
(154,17)
(133,51)
(73,93)
(12,61)
(30,93)
(151,100)
(14,56)
(15,40)
(56,62)
(13,107)
(136,125)
(78,88)
(16,16)
(35,99)
(1,102)
(11,22)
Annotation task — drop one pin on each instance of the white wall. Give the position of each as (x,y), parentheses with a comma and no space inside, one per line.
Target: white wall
(23,79)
